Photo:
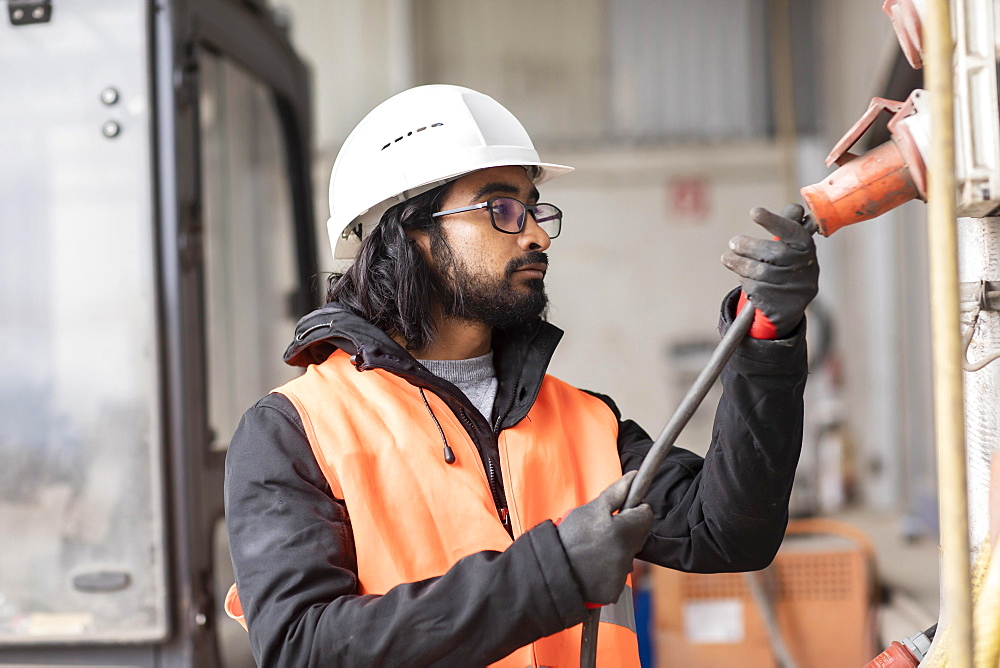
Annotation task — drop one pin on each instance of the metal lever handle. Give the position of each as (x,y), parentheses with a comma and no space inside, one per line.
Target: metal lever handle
(658,452)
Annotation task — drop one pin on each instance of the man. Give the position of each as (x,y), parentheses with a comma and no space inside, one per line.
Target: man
(399,503)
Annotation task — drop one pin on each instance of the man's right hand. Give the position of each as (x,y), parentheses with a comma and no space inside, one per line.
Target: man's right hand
(601,545)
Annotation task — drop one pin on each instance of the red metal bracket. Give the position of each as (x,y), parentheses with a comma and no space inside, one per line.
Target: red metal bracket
(839,154)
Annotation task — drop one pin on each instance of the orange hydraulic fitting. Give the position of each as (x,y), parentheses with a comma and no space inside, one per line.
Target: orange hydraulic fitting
(885,177)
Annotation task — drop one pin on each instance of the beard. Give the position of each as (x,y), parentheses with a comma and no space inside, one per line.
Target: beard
(495,301)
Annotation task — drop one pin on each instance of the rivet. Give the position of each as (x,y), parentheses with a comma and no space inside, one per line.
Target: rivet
(17,14)
(109,95)
(38,13)
(111,129)
(200,619)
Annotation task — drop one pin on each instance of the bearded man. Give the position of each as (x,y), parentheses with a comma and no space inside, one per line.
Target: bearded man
(400,502)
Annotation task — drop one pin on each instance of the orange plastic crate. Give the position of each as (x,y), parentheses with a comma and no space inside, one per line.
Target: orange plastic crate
(822,586)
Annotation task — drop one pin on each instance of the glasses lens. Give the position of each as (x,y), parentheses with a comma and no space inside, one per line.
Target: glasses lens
(549,218)
(508,214)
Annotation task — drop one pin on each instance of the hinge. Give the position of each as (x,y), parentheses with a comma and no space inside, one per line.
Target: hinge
(26,12)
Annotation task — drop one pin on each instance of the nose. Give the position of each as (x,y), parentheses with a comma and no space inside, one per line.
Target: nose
(533,237)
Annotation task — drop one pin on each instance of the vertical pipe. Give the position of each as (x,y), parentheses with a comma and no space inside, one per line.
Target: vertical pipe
(783,93)
(399,44)
(949,412)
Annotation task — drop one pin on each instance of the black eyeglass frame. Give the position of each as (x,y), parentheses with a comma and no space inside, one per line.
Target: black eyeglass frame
(528,208)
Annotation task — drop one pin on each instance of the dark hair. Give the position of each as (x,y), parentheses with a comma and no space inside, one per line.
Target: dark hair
(390,284)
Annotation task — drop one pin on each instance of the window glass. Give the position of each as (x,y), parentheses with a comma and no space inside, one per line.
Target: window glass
(249,237)
(80,499)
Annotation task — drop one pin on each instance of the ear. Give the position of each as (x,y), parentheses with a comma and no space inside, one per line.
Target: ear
(423,241)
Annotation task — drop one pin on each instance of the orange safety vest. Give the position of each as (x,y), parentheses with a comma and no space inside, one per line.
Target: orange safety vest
(382,454)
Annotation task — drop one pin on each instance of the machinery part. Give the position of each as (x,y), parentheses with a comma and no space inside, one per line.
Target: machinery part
(977,111)
(896,655)
(906,654)
(977,117)
(26,12)
(979,296)
(882,179)
(862,189)
(906,16)
(413,142)
(981,305)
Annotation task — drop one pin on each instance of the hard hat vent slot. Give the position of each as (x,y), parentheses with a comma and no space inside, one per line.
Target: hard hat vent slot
(410,133)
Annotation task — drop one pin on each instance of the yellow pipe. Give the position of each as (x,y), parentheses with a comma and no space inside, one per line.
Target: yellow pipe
(783,93)
(949,408)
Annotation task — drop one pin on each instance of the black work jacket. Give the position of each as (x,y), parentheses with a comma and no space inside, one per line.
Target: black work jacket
(293,548)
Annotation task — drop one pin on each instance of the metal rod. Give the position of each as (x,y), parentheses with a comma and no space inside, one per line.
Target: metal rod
(658,452)
(689,404)
(949,400)
(588,640)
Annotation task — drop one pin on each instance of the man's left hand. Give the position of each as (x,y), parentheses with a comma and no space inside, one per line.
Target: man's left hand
(779,276)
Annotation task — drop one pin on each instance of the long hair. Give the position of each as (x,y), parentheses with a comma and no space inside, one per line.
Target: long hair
(390,284)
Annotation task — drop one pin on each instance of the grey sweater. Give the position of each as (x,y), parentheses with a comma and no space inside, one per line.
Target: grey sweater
(475,376)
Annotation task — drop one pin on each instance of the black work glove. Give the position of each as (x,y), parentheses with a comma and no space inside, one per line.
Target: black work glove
(600,545)
(779,276)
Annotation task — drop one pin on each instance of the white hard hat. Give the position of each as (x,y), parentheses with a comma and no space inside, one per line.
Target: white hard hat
(413,142)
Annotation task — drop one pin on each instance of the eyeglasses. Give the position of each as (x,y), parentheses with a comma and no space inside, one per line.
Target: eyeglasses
(508,215)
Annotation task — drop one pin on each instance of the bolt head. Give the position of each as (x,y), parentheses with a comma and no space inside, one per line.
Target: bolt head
(111,129)
(38,13)
(109,95)
(17,14)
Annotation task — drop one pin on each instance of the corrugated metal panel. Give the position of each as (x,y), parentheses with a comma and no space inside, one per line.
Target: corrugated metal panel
(542,60)
(586,70)
(682,69)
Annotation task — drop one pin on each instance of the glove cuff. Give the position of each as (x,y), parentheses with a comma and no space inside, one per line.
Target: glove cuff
(762,327)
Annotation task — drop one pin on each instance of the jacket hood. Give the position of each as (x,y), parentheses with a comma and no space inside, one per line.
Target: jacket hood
(332,327)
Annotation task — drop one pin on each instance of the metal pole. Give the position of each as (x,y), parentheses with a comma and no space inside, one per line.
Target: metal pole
(949,411)
(658,452)
(689,404)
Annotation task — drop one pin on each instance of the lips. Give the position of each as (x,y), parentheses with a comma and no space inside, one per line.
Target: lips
(535,270)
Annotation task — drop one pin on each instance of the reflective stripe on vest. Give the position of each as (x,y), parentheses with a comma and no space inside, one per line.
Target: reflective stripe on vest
(622,612)
(413,515)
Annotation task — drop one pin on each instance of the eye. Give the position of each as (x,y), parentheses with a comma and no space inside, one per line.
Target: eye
(502,208)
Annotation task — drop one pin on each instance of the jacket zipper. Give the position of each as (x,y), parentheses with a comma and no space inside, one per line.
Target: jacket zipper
(499,498)
(496,491)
